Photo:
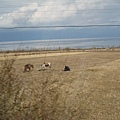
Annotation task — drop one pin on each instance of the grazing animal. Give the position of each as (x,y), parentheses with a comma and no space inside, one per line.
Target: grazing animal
(67,68)
(45,66)
(28,67)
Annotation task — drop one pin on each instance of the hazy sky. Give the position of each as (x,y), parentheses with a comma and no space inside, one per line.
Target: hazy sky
(36,13)
(58,12)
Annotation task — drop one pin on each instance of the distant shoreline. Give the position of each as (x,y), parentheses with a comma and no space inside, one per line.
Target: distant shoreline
(33,54)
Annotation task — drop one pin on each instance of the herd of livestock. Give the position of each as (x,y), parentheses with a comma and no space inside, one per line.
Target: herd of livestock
(44,66)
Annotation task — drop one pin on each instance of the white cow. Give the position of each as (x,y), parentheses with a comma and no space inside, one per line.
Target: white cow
(45,66)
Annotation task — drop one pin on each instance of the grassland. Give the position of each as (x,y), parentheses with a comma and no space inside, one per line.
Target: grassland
(90,91)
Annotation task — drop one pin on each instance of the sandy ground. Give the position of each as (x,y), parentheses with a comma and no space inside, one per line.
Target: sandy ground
(91,90)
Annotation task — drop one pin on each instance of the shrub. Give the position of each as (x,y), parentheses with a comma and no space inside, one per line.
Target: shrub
(9,88)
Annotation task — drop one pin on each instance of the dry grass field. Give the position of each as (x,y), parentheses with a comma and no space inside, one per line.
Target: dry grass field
(90,91)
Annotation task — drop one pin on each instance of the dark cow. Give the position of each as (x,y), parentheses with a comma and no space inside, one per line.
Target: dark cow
(66,68)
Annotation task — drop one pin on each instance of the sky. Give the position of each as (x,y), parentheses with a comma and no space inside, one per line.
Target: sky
(33,19)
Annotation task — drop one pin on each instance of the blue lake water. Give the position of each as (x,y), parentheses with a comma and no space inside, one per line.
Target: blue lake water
(61,43)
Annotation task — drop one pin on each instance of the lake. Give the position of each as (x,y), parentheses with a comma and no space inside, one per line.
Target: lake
(61,43)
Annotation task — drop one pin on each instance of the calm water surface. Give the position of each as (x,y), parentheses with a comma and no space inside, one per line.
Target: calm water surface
(61,43)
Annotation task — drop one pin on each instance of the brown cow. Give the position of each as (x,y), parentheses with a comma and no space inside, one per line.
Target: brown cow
(28,67)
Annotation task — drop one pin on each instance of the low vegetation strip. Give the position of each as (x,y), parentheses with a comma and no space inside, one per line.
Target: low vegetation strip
(35,55)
